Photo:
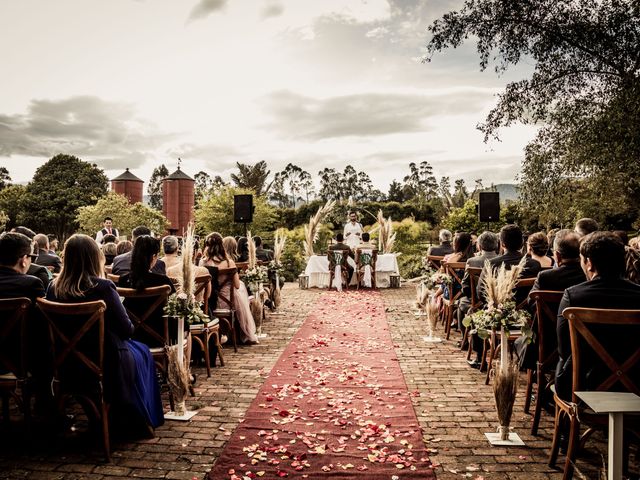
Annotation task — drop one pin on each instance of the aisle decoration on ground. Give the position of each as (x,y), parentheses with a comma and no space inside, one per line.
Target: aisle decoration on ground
(501,315)
(429,309)
(276,267)
(311,229)
(255,278)
(184,307)
(334,405)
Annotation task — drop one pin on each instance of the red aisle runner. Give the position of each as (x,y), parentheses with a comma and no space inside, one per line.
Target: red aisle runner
(335,404)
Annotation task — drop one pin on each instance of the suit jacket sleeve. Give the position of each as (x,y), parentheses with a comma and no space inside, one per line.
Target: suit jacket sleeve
(159,268)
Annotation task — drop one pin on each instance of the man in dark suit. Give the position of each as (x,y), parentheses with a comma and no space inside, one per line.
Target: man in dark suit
(262,253)
(122,263)
(602,258)
(45,258)
(445,246)
(340,245)
(566,251)
(15,258)
(34,269)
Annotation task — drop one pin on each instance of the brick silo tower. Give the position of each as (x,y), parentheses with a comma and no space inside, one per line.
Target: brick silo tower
(128,185)
(178,200)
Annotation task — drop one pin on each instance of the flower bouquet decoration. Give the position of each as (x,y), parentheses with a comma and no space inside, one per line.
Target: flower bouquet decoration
(428,308)
(501,316)
(276,266)
(183,306)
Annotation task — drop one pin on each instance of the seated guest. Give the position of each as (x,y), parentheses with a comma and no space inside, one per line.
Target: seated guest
(242,250)
(551,235)
(511,241)
(143,257)
(170,246)
(585,226)
(487,245)
(110,239)
(130,374)
(124,247)
(176,272)
(566,250)
(110,251)
(53,243)
(15,259)
(36,270)
(632,260)
(45,258)
(537,247)
(462,250)
(602,259)
(445,246)
(262,253)
(219,253)
(122,263)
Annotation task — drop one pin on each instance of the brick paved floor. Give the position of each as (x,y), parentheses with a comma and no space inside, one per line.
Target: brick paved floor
(454,408)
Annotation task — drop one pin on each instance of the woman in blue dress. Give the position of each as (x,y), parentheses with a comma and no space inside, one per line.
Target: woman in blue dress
(131,383)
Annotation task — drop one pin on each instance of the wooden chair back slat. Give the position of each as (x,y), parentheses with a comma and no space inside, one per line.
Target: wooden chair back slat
(456,271)
(523,287)
(141,319)
(225,278)
(200,286)
(585,328)
(13,346)
(474,278)
(435,261)
(547,303)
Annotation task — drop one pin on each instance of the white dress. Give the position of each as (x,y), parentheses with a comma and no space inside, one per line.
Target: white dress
(352,234)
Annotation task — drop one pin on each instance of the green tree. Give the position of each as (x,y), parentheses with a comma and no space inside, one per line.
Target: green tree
(11,203)
(421,183)
(59,187)
(460,193)
(154,189)
(203,183)
(5,178)
(464,219)
(584,89)
(126,216)
(277,191)
(4,219)
(215,213)
(396,193)
(252,177)
(293,177)
(330,188)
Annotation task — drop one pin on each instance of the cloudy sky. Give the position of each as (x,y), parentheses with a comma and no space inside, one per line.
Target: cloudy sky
(319,83)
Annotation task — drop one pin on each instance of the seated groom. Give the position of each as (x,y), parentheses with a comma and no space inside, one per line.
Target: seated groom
(366,244)
(602,258)
(340,245)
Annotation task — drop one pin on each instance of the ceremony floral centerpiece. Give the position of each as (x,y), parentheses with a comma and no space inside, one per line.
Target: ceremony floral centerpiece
(183,306)
(256,276)
(501,315)
(428,308)
(386,235)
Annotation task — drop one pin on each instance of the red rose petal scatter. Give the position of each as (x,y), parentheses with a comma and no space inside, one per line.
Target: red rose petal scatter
(335,404)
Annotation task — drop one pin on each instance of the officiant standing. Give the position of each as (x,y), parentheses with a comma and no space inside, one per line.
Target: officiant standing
(107,230)
(353,231)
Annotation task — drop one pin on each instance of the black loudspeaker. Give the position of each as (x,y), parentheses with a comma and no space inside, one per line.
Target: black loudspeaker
(243,208)
(489,207)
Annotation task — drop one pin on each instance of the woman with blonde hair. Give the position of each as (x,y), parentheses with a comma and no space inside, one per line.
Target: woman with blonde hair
(218,253)
(130,374)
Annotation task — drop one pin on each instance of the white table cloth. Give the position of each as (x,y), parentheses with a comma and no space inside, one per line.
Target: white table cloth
(318,270)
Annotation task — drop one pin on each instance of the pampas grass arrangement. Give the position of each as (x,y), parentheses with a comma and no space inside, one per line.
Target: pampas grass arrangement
(498,286)
(386,235)
(311,230)
(177,378)
(278,249)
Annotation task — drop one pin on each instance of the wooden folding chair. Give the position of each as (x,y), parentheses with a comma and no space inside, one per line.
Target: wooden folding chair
(338,257)
(242,267)
(435,261)
(596,346)
(547,303)
(201,333)
(366,257)
(456,271)
(76,331)
(151,326)
(476,304)
(523,286)
(225,310)
(14,381)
